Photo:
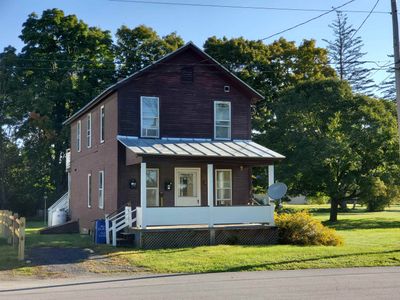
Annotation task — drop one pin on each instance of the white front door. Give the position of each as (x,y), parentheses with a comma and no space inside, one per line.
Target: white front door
(187,187)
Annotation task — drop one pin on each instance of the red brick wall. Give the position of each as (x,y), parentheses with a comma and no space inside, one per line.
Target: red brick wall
(101,156)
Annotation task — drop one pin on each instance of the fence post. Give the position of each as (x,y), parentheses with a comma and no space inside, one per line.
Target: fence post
(1,224)
(9,227)
(14,229)
(21,244)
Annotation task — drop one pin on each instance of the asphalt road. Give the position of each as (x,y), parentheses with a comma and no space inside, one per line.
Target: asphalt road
(353,283)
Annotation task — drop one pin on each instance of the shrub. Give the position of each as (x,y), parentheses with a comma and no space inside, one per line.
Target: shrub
(301,228)
(378,195)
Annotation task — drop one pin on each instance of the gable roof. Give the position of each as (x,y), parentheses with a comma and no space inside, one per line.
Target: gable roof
(124,81)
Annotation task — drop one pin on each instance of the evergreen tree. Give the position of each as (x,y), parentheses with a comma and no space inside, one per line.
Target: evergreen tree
(346,56)
(388,85)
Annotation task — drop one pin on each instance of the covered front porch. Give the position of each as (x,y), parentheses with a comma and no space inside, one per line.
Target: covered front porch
(220,206)
(196,181)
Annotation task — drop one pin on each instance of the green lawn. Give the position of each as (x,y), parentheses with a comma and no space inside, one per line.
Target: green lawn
(371,239)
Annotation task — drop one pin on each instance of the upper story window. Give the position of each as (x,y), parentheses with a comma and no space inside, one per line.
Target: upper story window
(78,136)
(222,120)
(150,117)
(102,120)
(89,130)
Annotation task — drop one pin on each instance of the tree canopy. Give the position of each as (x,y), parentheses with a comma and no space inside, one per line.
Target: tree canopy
(335,142)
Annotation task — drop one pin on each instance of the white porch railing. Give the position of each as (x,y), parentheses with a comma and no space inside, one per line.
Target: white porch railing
(211,215)
(117,222)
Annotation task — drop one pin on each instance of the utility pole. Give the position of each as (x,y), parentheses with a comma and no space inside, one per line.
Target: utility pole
(396,49)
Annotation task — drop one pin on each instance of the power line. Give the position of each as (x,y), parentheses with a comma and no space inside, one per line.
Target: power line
(294,9)
(307,21)
(366,18)
(376,62)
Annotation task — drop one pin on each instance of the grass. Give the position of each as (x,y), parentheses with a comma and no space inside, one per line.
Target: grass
(371,239)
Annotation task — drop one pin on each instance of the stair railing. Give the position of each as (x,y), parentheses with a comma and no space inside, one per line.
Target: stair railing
(118,221)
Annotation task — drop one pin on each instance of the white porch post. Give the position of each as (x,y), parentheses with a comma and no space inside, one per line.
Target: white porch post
(143,192)
(210,191)
(271,176)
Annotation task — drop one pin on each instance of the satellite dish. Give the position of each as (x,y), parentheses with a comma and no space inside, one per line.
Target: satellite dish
(277,190)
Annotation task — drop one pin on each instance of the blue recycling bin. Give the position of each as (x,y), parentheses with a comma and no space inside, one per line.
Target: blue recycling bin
(100,231)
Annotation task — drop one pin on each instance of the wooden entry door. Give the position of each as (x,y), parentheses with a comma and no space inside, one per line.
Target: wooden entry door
(187,187)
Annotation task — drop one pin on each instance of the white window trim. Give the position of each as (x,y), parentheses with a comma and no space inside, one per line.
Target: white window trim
(215,120)
(216,185)
(89,130)
(89,190)
(141,116)
(102,111)
(101,190)
(79,136)
(154,188)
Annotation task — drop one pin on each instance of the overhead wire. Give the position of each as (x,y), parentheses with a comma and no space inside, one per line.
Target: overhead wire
(294,9)
(307,21)
(365,20)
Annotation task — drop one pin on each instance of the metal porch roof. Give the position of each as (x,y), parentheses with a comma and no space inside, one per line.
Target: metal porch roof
(198,148)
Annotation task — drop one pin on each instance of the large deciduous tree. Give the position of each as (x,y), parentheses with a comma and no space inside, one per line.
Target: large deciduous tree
(63,64)
(138,47)
(335,142)
(269,68)
(346,56)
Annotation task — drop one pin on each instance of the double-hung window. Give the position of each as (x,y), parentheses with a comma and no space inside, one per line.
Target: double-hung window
(223,186)
(78,136)
(89,190)
(101,189)
(152,187)
(150,117)
(102,120)
(222,120)
(89,130)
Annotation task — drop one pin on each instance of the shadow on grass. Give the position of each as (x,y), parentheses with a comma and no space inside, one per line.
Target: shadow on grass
(312,259)
(375,223)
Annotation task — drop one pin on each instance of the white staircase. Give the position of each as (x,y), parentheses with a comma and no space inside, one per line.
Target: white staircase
(60,204)
(117,221)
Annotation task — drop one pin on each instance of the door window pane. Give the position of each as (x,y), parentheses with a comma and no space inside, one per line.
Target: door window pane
(187,185)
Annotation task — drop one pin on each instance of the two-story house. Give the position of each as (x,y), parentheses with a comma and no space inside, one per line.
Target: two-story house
(172,143)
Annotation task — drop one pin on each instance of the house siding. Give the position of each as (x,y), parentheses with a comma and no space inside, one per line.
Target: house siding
(186,109)
(101,156)
(241,179)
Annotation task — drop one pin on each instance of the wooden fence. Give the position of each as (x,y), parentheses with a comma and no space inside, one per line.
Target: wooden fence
(12,228)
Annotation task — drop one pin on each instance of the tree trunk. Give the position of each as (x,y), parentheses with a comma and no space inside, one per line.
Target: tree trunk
(334,210)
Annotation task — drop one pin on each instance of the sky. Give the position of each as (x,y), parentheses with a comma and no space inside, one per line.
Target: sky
(198,23)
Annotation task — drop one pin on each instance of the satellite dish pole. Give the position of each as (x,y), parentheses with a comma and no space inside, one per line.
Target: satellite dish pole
(396,48)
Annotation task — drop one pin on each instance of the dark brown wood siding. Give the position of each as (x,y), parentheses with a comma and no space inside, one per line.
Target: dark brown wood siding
(241,179)
(186,108)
